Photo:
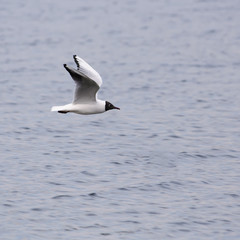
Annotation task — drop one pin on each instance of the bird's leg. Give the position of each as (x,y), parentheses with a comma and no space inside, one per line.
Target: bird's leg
(63,112)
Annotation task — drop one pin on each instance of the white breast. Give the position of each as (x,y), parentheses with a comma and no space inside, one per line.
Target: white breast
(93,108)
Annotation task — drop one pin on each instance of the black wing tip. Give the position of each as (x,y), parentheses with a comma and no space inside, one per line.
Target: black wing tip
(65,65)
(76,61)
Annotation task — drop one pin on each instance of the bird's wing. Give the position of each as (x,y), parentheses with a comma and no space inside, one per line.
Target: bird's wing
(87,70)
(86,87)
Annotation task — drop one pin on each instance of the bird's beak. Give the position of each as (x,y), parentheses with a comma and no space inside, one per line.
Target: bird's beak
(116,108)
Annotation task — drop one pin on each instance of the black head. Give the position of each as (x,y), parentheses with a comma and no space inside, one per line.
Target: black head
(109,106)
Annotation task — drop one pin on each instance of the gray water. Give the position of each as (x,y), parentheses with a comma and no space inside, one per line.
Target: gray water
(164,167)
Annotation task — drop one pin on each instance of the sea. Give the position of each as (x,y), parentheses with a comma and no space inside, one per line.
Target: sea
(166,166)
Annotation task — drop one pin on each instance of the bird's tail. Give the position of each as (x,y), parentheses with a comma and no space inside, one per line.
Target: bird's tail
(56,108)
(60,109)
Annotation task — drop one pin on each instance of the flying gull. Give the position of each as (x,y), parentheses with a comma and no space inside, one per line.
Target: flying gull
(88,82)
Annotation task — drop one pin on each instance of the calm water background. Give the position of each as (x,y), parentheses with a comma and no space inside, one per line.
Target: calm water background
(164,167)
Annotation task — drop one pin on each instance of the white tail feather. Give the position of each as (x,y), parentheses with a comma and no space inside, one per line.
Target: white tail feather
(57,108)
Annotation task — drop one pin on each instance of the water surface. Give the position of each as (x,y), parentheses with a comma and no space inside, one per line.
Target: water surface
(164,167)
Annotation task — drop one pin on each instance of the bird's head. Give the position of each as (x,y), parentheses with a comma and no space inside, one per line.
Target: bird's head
(109,106)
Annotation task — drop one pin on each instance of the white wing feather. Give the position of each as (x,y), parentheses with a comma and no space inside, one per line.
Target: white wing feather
(87,70)
(88,81)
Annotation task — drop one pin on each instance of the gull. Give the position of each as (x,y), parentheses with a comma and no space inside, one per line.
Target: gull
(88,82)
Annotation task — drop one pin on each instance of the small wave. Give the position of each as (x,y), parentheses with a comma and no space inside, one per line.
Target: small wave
(88,173)
(55,183)
(179,223)
(7,205)
(164,185)
(200,156)
(105,234)
(123,189)
(234,195)
(174,136)
(92,194)
(37,209)
(131,221)
(201,223)
(61,196)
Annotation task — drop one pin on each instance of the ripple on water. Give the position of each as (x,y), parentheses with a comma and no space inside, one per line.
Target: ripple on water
(233,195)
(56,183)
(93,194)
(7,205)
(161,167)
(88,173)
(174,136)
(37,209)
(62,196)
(105,234)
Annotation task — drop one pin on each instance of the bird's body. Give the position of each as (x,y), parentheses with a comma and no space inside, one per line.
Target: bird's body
(85,109)
(88,82)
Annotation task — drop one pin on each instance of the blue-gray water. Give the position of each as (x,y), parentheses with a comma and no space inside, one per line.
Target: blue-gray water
(164,167)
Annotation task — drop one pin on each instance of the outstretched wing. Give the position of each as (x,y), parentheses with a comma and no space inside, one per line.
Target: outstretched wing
(86,87)
(87,70)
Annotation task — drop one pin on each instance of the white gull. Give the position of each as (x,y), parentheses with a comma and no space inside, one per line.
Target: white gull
(88,82)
